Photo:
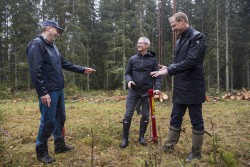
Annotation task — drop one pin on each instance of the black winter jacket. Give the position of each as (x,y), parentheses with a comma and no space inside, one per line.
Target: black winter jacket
(138,70)
(45,65)
(189,82)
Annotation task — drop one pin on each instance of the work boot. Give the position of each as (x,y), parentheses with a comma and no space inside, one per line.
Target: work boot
(60,146)
(43,155)
(46,159)
(172,139)
(197,142)
(143,129)
(126,127)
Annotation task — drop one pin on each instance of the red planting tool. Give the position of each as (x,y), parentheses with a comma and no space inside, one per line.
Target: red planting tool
(153,121)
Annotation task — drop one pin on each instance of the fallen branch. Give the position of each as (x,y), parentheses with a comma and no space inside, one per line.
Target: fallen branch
(4,132)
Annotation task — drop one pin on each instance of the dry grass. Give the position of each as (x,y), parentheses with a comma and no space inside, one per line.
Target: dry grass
(98,124)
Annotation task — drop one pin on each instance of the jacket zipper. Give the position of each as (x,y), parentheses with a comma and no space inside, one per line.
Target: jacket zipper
(141,72)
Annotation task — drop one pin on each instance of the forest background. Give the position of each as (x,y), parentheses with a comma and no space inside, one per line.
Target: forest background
(103,35)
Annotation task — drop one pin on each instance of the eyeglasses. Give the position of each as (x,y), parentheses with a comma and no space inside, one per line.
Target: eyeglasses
(58,33)
(141,43)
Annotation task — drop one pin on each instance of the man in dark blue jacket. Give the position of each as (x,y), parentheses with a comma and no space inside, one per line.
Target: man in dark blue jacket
(139,81)
(189,83)
(45,65)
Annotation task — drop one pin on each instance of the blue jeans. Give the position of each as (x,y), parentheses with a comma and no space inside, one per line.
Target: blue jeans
(132,99)
(52,118)
(195,114)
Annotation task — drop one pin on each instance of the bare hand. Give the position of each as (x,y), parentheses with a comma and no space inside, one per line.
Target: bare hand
(162,67)
(46,100)
(159,73)
(130,84)
(89,70)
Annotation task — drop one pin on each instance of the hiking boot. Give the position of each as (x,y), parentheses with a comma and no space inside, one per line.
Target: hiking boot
(60,146)
(45,159)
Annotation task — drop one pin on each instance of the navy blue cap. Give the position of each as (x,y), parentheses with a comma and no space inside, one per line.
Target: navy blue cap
(52,24)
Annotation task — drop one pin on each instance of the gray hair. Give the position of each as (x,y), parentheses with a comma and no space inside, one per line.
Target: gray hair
(43,28)
(145,39)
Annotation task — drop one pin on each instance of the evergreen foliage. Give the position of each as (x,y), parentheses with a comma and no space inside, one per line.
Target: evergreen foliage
(103,35)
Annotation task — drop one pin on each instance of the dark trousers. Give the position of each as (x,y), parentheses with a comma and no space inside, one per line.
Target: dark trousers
(52,118)
(195,114)
(132,99)
(138,106)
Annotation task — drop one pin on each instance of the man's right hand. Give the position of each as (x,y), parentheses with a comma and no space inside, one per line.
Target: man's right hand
(46,100)
(159,73)
(130,84)
(89,70)
(162,67)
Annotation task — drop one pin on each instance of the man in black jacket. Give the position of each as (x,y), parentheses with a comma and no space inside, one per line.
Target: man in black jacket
(45,65)
(189,83)
(139,81)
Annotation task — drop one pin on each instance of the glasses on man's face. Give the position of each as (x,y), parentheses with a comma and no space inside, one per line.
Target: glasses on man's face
(58,33)
(141,43)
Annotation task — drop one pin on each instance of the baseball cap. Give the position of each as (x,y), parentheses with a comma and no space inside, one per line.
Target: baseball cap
(52,24)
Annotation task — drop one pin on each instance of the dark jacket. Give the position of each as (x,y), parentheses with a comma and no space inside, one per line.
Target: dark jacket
(138,70)
(45,65)
(189,82)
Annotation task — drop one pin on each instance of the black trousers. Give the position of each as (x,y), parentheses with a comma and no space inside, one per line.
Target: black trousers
(195,114)
(132,99)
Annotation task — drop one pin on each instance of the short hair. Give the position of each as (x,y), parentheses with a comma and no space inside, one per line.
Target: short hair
(145,39)
(44,28)
(180,16)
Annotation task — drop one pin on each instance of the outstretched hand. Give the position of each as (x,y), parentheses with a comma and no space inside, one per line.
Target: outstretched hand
(89,70)
(160,72)
(162,67)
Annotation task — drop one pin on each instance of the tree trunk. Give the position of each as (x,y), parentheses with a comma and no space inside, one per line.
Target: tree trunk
(248,72)
(124,54)
(88,80)
(15,68)
(217,47)
(232,71)
(173,42)
(226,34)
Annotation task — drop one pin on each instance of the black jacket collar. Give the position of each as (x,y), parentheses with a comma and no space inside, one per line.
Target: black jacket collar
(149,53)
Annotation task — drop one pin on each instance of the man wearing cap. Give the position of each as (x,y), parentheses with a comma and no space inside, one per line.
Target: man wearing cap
(45,65)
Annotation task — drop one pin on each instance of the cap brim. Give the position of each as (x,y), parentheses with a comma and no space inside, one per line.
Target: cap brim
(60,30)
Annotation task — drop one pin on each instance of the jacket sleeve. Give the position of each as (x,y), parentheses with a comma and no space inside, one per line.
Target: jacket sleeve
(195,56)
(70,66)
(157,80)
(128,71)
(34,53)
